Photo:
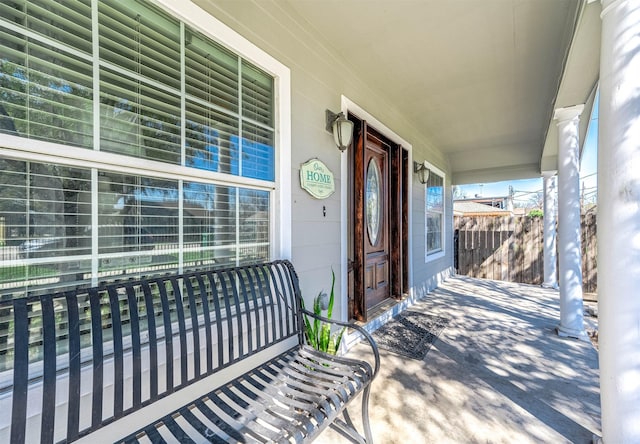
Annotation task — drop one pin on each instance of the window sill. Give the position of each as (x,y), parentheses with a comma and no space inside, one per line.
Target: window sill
(434,256)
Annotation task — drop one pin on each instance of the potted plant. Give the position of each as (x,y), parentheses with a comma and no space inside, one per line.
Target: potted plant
(318,333)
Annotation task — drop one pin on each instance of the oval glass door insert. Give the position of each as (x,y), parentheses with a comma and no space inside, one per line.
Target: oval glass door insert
(373,200)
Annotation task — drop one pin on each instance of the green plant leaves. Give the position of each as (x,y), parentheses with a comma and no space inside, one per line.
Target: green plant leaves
(318,333)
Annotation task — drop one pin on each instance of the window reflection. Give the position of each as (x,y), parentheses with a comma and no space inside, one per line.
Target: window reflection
(139,216)
(47,238)
(41,223)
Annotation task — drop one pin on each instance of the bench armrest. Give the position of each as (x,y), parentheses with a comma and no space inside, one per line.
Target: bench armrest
(362,331)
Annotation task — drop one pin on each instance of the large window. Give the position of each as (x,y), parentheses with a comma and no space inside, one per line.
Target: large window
(434,215)
(183,131)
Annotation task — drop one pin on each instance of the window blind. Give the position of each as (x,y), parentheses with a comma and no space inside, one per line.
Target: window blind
(257,94)
(211,73)
(211,139)
(138,119)
(140,39)
(46,91)
(68,23)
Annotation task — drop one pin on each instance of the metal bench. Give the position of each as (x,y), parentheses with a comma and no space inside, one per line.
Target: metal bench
(206,356)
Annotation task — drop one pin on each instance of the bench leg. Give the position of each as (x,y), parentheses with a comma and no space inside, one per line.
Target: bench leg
(351,428)
(365,415)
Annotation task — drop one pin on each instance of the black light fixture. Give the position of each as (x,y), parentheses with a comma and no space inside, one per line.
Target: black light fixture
(422,171)
(341,128)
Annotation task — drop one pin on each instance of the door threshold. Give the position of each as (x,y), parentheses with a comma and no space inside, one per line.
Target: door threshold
(380,308)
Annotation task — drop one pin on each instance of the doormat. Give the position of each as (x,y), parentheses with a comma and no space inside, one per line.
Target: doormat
(410,334)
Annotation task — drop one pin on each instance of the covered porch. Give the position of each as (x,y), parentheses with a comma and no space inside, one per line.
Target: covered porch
(473,92)
(497,373)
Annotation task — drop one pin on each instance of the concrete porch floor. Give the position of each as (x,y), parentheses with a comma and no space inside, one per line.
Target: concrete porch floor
(498,373)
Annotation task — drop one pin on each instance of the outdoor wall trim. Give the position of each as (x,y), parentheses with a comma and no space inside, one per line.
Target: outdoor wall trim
(346,106)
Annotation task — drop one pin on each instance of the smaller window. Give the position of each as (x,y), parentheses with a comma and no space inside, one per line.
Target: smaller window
(434,215)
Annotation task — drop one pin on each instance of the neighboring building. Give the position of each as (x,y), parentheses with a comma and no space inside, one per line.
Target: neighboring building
(473,208)
(501,202)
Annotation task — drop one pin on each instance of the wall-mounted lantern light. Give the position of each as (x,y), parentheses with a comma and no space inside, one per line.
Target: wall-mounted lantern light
(422,171)
(341,127)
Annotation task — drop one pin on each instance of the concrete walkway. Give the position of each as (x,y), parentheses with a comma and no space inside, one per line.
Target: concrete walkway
(498,373)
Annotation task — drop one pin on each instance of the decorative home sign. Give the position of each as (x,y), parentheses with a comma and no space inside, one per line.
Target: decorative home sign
(317,179)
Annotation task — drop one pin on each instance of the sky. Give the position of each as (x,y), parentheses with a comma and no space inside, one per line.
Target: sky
(526,187)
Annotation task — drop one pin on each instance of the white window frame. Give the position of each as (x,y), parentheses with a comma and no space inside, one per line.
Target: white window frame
(438,254)
(21,148)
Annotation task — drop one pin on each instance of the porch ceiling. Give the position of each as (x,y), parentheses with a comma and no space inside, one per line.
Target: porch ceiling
(480,78)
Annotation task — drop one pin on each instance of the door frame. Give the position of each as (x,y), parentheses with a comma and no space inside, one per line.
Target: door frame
(348,106)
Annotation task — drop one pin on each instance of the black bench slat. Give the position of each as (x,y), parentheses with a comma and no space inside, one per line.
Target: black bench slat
(266,300)
(195,327)
(302,388)
(134,322)
(265,410)
(218,315)
(265,383)
(308,372)
(49,370)
(295,389)
(152,434)
(98,359)
(337,365)
(177,431)
(257,307)
(73,321)
(284,310)
(153,340)
(247,316)
(249,415)
(308,365)
(20,370)
(238,334)
(307,385)
(111,339)
(118,358)
(216,420)
(284,418)
(291,402)
(244,423)
(168,335)
(207,321)
(273,372)
(227,306)
(201,428)
(182,330)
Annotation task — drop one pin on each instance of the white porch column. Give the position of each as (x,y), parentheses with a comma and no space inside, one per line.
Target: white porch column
(619,222)
(550,258)
(570,254)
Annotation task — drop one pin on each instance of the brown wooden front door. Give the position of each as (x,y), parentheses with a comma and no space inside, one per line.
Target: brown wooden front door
(376,223)
(378,218)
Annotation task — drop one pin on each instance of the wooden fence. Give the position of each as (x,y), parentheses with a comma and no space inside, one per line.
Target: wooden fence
(511,248)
